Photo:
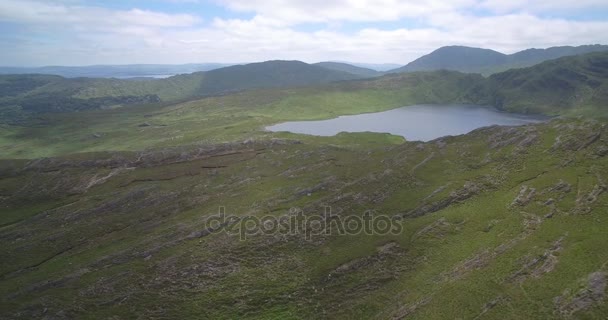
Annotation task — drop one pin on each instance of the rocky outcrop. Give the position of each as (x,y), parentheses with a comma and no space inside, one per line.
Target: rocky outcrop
(593,292)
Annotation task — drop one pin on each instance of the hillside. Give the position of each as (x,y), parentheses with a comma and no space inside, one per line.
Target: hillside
(569,85)
(502,221)
(57,94)
(485,61)
(339,66)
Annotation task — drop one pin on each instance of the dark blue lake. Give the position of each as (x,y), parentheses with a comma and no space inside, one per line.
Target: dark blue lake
(414,123)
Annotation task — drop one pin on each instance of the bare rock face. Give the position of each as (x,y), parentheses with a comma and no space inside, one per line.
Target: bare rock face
(575,137)
(524,197)
(585,200)
(601,151)
(537,266)
(521,137)
(468,190)
(593,293)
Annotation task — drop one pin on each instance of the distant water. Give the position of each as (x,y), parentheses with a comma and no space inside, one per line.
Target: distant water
(414,123)
(154,76)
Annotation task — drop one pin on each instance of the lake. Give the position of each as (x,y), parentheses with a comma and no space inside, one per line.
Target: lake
(414,123)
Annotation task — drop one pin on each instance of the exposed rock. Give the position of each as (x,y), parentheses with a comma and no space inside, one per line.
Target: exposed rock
(438,229)
(537,266)
(489,306)
(524,197)
(521,137)
(577,137)
(383,252)
(484,257)
(584,201)
(409,309)
(593,293)
(601,150)
(468,190)
(475,262)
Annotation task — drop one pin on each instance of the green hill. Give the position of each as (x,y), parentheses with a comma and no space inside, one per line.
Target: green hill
(485,61)
(457,58)
(345,67)
(569,85)
(57,94)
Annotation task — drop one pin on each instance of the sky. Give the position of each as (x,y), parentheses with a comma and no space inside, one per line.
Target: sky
(89,32)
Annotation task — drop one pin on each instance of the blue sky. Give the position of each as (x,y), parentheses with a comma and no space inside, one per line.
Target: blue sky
(85,32)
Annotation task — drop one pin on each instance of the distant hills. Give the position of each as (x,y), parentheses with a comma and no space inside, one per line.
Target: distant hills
(566,85)
(44,93)
(269,74)
(345,67)
(116,71)
(381,67)
(486,61)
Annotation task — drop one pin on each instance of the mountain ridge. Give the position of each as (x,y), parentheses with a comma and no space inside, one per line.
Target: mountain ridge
(487,61)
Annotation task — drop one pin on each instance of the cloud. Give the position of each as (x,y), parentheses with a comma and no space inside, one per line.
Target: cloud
(537,6)
(72,33)
(294,12)
(36,12)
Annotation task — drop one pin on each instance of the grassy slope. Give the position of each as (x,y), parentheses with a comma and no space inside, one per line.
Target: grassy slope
(120,248)
(571,85)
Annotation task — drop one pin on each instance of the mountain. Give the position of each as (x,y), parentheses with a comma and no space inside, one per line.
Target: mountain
(457,58)
(531,57)
(345,67)
(42,93)
(485,61)
(269,74)
(574,84)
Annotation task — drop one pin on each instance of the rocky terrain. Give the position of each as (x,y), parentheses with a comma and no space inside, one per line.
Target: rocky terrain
(501,223)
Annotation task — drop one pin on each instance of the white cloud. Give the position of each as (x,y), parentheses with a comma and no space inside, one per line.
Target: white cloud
(294,12)
(502,6)
(36,12)
(72,33)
